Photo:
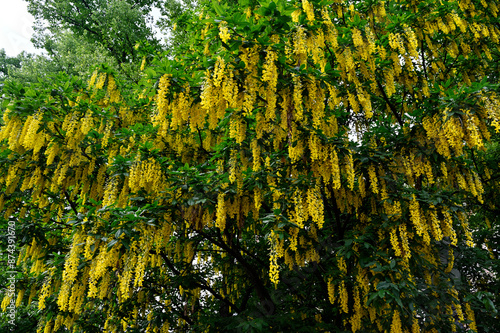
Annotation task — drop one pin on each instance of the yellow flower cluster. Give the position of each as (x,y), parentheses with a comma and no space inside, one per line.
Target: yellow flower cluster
(273,258)
(344,298)
(417,220)
(435,224)
(335,169)
(396,323)
(395,243)
(224,31)
(357,316)
(221,212)
(331,291)
(349,165)
(373,179)
(144,174)
(342,265)
(308,8)
(315,206)
(357,38)
(471,317)
(45,292)
(295,15)
(270,75)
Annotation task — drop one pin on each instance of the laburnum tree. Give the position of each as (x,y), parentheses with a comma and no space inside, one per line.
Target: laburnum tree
(303,166)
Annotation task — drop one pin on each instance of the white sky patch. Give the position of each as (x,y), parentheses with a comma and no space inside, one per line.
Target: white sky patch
(161,35)
(16,27)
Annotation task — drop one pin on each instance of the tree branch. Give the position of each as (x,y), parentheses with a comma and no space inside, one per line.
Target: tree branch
(393,109)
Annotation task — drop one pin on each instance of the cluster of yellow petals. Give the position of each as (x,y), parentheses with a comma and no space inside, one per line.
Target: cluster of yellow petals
(224,32)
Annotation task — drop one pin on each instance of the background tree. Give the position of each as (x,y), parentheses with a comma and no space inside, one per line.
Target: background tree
(116,25)
(65,53)
(7,64)
(98,30)
(174,20)
(302,167)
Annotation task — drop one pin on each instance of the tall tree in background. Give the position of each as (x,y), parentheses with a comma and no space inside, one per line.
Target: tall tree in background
(76,36)
(302,167)
(175,18)
(117,25)
(66,53)
(7,64)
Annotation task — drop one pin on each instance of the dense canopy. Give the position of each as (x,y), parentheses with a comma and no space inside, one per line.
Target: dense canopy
(304,166)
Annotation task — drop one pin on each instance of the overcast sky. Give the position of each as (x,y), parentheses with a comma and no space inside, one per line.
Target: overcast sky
(15,27)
